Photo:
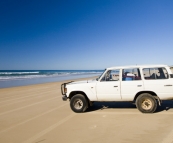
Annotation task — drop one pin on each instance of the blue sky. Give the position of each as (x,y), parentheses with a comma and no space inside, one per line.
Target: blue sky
(84,34)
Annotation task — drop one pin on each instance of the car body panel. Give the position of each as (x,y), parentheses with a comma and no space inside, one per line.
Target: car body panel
(97,90)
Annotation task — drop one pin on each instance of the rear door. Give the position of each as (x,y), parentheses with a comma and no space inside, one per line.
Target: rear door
(131,83)
(158,81)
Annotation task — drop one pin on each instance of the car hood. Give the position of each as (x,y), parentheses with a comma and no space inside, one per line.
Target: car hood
(84,81)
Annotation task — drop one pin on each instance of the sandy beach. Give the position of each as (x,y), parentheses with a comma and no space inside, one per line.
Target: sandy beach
(37,114)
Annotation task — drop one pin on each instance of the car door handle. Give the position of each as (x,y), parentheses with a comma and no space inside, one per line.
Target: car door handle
(168,85)
(139,85)
(115,86)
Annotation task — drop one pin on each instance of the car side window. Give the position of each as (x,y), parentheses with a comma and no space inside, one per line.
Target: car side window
(155,73)
(131,74)
(111,75)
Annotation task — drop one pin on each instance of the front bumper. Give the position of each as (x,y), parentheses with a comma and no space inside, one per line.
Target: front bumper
(64,98)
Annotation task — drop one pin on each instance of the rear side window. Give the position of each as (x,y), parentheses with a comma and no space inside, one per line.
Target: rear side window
(171,68)
(155,73)
(171,75)
(131,74)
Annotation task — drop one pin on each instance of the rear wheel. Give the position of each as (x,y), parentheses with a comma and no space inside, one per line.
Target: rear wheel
(146,103)
(78,103)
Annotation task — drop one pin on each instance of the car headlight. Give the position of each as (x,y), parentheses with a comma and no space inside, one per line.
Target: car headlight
(65,90)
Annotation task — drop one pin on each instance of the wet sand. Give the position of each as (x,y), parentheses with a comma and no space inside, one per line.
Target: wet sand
(37,114)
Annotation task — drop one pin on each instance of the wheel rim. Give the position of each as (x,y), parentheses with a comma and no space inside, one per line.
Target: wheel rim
(78,104)
(147,104)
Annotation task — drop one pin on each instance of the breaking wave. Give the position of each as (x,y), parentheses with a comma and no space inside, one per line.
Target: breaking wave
(12,75)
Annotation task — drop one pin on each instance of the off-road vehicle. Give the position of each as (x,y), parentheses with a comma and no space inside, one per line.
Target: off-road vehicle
(145,85)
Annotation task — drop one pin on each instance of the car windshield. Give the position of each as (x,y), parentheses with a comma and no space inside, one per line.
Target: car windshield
(100,75)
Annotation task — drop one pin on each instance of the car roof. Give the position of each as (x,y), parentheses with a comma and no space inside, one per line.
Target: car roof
(137,66)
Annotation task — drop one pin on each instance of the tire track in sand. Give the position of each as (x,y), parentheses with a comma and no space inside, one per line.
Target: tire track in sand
(28,120)
(26,106)
(40,134)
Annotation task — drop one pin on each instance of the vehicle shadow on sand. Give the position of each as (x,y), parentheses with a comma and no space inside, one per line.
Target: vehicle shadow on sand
(109,105)
(165,106)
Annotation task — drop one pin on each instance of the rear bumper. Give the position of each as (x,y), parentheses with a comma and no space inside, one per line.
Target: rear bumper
(64,98)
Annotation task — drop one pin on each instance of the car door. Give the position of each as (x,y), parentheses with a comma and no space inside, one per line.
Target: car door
(158,81)
(131,83)
(108,87)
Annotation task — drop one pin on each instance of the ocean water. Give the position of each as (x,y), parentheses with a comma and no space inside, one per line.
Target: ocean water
(11,78)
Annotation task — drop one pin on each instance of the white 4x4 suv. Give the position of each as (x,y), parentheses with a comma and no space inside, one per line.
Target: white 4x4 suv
(145,85)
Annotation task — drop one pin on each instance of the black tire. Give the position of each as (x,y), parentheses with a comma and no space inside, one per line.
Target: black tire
(146,103)
(78,103)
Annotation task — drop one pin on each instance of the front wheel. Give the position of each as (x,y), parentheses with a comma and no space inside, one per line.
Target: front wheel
(78,103)
(146,103)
